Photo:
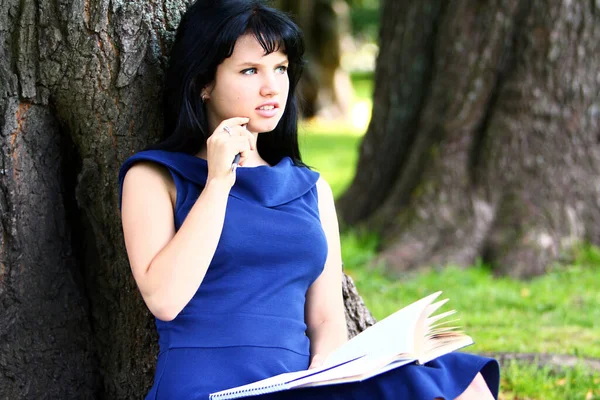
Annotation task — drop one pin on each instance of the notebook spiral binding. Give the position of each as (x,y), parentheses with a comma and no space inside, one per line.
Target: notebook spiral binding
(247,392)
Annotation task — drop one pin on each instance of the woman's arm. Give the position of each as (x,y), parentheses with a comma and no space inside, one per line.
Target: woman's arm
(324,310)
(168,267)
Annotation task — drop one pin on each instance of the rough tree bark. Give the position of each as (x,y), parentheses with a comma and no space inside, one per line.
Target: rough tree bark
(325,89)
(80,85)
(358,317)
(484,137)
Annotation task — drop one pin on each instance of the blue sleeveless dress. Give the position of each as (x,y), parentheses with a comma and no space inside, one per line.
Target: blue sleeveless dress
(246,321)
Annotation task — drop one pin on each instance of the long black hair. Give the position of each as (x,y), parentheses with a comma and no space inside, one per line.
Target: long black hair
(205,37)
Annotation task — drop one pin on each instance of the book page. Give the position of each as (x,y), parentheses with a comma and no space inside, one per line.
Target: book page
(389,344)
(274,381)
(353,368)
(443,345)
(423,326)
(390,336)
(279,382)
(354,371)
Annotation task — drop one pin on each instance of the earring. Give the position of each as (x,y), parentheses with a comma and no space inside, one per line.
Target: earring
(204,97)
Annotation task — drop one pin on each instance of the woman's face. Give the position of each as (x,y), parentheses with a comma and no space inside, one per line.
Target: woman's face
(250,84)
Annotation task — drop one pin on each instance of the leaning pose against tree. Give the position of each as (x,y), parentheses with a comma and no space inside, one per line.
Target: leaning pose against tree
(242,266)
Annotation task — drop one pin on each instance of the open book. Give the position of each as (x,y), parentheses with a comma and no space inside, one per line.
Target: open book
(412,334)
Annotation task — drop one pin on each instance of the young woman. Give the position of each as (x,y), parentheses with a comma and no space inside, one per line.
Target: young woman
(242,268)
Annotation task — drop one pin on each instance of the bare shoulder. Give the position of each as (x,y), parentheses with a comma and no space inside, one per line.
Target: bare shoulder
(324,190)
(326,201)
(147,217)
(147,178)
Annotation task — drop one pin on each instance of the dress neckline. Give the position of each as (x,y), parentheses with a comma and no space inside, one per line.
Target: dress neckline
(267,185)
(202,159)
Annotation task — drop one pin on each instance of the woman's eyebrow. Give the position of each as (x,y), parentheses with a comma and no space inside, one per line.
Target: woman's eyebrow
(256,64)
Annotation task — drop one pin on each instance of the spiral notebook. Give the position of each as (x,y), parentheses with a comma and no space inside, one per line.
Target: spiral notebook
(412,334)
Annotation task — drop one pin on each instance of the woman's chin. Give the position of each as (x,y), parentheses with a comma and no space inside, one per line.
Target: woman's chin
(262,126)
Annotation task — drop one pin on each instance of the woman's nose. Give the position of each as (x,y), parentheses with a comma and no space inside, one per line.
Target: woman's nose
(270,86)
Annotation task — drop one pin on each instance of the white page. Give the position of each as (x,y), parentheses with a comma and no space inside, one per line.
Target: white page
(390,366)
(363,376)
(359,366)
(382,342)
(390,336)
(452,345)
(281,380)
(272,381)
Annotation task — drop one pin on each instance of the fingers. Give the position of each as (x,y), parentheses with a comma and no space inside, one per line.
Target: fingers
(225,147)
(251,138)
(240,144)
(229,139)
(232,123)
(240,137)
(237,127)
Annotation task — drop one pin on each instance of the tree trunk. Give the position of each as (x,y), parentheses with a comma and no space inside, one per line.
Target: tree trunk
(80,92)
(484,137)
(358,317)
(326,89)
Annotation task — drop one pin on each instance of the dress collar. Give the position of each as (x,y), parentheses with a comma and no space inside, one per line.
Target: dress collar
(269,186)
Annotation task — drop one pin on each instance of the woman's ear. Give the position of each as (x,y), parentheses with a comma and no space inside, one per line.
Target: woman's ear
(205,93)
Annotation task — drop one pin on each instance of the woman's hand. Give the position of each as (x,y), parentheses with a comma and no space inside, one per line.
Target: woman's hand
(222,147)
(317,361)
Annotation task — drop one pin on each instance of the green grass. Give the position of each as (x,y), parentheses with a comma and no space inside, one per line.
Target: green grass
(363,85)
(555,313)
(526,381)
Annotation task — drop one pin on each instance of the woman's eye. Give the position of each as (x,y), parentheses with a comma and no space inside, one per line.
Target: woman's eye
(249,71)
(282,69)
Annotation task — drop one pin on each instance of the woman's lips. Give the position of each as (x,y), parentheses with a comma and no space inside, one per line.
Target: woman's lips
(267,111)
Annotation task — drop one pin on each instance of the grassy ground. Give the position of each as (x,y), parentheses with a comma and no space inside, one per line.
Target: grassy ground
(556,313)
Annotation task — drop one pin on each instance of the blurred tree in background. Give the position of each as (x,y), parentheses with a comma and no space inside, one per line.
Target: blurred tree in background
(484,140)
(365,18)
(325,87)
